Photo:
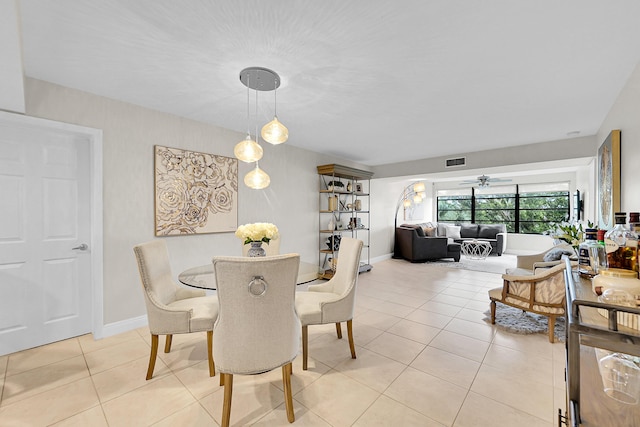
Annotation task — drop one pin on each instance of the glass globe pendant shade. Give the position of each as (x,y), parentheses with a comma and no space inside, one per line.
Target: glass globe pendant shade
(257,179)
(248,150)
(418,187)
(275,132)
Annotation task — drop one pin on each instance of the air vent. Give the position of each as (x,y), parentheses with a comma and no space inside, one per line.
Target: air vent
(461,161)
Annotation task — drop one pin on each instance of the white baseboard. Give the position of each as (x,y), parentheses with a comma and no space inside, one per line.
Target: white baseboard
(380,258)
(116,328)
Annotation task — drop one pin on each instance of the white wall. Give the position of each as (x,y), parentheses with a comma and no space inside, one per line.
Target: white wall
(586,183)
(11,69)
(625,115)
(130,132)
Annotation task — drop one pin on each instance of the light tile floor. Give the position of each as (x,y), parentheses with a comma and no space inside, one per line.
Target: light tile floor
(426,357)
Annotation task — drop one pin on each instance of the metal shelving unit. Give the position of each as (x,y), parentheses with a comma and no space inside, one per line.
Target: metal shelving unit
(348,219)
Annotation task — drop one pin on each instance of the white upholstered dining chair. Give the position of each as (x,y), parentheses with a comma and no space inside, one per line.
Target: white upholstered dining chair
(333,301)
(170,308)
(257,329)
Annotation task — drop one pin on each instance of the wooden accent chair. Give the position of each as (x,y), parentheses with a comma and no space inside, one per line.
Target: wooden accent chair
(333,301)
(542,293)
(170,308)
(258,329)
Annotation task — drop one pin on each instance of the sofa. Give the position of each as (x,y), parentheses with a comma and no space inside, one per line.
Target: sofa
(495,234)
(412,245)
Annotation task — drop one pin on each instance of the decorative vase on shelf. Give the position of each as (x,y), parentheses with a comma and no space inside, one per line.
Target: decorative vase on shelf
(256,250)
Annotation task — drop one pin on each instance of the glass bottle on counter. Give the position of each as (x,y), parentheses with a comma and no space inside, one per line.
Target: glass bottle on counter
(621,245)
(634,221)
(634,225)
(602,251)
(588,261)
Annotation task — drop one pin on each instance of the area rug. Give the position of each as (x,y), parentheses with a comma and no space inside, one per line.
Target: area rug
(521,322)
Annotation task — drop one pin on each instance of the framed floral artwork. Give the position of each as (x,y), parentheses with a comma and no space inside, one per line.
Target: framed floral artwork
(195,193)
(608,180)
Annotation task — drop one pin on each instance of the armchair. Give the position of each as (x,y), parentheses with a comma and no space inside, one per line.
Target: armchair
(541,293)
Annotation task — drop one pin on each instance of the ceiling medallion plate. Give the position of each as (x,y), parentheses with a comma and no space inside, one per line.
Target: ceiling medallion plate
(258,78)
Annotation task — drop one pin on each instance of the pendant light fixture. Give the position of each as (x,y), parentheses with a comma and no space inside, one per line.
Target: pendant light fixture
(275,132)
(248,150)
(257,179)
(259,79)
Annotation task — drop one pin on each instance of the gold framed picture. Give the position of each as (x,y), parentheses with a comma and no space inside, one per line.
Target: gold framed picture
(195,193)
(609,180)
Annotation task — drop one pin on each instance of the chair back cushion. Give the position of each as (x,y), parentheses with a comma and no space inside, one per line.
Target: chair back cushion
(549,291)
(155,271)
(344,281)
(257,328)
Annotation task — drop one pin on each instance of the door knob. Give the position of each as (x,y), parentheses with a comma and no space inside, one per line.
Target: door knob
(82,247)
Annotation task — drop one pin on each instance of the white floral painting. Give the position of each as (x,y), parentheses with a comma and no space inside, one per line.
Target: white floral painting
(195,192)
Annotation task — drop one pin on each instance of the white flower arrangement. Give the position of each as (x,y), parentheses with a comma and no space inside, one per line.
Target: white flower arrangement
(257,232)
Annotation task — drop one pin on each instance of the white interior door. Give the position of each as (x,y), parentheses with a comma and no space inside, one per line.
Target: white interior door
(45,236)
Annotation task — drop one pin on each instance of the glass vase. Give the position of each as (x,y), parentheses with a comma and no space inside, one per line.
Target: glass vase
(256,249)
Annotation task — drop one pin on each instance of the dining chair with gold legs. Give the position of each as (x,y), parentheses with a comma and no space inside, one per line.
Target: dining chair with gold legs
(170,308)
(257,329)
(333,301)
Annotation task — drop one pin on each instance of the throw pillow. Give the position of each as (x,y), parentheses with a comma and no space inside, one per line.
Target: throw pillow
(441,230)
(453,231)
(430,231)
(556,254)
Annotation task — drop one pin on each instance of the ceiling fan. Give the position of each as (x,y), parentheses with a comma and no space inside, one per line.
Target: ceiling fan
(484,181)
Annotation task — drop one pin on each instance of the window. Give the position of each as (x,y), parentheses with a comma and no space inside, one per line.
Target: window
(455,206)
(496,205)
(522,208)
(542,204)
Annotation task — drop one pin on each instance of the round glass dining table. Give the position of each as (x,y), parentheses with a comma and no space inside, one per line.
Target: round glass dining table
(202,276)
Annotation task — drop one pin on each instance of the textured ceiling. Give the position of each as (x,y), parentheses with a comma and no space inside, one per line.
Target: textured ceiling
(374,81)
